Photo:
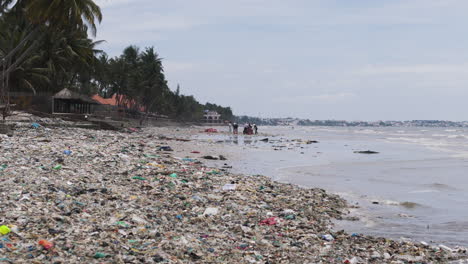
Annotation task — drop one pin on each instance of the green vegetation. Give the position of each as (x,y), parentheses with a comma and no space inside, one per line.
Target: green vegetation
(44,44)
(45,47)
(139,75)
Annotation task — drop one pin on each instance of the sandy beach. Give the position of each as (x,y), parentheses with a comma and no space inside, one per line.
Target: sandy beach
(72,195)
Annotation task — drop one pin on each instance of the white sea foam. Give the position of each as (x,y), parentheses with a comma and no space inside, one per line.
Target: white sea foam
(367,131)
(424,191)
(457,136)
(389,202)
(462,155)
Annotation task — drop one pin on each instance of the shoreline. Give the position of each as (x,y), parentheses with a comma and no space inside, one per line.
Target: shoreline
(404,212)
(117,195)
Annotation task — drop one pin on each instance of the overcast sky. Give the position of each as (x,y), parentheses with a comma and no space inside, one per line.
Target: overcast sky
(318,59)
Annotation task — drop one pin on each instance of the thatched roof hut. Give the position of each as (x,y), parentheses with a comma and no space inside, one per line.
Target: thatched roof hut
(67,94)
(67,101)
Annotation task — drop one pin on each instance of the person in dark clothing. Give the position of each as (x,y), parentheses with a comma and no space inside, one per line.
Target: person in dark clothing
(248,130)
(235,126)
(255,128)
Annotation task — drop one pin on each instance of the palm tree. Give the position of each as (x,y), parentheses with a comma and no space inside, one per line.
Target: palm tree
(56,14)
(12,31)
(80,13)
(49,15)
(4,5)
(68,54)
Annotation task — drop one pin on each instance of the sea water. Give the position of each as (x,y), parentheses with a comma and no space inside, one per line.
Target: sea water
(416,186)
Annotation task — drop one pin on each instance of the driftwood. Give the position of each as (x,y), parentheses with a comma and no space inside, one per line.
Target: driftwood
(366,152)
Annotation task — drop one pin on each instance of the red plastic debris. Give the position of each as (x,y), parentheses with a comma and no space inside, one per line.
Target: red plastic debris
(195,152)
(269,221)
(46,244)
(211,130)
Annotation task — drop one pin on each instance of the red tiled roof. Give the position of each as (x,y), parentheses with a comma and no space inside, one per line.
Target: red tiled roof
(106,101)
(113,101)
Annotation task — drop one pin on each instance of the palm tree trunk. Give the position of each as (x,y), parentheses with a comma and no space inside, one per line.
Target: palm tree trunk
(4,92)
(145,116)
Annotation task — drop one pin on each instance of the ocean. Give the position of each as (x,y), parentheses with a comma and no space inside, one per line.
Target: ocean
(415,188)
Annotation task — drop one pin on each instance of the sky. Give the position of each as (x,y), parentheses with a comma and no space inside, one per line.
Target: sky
(316,59)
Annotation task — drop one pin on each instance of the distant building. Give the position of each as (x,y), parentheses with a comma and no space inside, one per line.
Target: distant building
(212,117)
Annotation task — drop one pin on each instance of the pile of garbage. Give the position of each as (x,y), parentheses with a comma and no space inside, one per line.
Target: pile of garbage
(26,120)
(89,196)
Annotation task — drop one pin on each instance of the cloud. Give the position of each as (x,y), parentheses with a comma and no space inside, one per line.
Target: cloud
(322,98)
(174,66)
(154,22)
(416,69)
(108,3)
(313,57)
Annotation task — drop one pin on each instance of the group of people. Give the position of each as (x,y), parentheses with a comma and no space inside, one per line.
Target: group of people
(248,129)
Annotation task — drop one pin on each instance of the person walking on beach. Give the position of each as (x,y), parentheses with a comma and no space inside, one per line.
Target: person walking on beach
(235,126)
(255,128)
(230,127)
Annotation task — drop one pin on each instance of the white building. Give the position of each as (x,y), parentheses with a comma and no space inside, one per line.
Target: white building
(211,117)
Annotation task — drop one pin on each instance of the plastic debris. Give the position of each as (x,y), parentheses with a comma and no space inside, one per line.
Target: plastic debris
(91,210)
(46,244)
(328,237)
(445,248)
(209,157)
(229,187)
(269,221)
(99,255)
(35,125)
(165,148)
(211,130)
(4,230)
(211,211)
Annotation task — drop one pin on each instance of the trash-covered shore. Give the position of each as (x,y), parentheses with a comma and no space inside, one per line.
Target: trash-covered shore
(71,195)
